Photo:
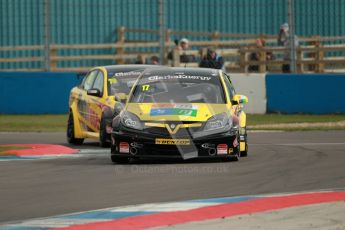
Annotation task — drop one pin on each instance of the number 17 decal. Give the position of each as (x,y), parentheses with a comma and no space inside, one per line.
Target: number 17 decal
(145,87)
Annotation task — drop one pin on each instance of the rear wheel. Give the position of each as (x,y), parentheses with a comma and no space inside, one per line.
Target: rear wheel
(71,132)
(103,135)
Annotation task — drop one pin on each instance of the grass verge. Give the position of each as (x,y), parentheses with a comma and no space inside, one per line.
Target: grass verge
(298,122)
(4,149)
(33,123)
(58,123)
(258,119)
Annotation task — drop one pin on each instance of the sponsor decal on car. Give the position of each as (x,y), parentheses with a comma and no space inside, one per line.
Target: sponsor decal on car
(131,73)
(163,141)
(179,76)
(174,109)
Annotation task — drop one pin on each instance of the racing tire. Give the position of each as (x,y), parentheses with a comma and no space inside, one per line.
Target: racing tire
(245,152)
(235,157)
(118,159)
(103,142)
(70,132)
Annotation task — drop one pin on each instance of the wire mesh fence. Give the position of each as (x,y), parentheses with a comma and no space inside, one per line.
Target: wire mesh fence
(48,22)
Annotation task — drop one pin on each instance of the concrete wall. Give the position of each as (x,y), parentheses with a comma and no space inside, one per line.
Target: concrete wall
(254,87)
(35,93)
(307,93)
(43,93)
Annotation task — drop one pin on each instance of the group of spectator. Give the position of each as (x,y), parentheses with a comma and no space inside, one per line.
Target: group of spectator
(154,60)
(282,40)
(210,59)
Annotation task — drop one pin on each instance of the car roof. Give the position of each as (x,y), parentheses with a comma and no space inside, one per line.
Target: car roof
(127,68)
(189,71)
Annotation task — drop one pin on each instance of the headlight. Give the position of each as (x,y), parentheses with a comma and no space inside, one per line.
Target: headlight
(131,121)
(219,121)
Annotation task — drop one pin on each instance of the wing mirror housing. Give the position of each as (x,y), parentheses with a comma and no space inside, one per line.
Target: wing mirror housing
(117,98)
(120,97)
(239,99)
(94,92)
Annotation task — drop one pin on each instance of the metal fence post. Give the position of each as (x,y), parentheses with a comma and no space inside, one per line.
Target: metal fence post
(46,35)
(161,25)
(121,41)
(292,46)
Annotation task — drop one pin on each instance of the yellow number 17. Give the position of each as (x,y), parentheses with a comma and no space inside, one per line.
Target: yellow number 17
(145,87)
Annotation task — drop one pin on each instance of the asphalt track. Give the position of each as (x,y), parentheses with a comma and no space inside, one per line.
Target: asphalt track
(277,162)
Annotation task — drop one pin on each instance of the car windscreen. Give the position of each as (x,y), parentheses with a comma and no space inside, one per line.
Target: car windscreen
(179,88)
(121,82)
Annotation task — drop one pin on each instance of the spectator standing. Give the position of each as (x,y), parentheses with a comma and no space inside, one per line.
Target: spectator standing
(212,60)
(177,47)
(154,60)
(140,60)
(283,36)
(184,57)
(255,56)
(182,46)
(284,40)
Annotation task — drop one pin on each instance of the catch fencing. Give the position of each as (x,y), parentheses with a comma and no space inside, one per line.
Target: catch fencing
(43,35)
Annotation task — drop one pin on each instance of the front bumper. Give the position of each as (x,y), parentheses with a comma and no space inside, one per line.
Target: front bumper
(142,145)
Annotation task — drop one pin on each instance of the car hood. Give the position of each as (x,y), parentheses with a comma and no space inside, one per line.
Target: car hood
(176,111)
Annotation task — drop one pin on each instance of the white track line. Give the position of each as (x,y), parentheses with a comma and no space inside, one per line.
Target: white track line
(297,144)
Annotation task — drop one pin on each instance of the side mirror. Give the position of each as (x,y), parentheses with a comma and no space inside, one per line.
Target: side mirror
(94,92)
(118,108)
(117,98)
(120,97)
(239,99)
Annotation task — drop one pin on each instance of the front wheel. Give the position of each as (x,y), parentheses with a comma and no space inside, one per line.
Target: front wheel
(71,132)
(236,156)
(237,153)
(244,136)
(245,152)
(103,135)
(118,159)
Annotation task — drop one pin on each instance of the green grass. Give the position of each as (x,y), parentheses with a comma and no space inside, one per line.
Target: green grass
(4,149)
(298,118)
(33,123)
(58,123)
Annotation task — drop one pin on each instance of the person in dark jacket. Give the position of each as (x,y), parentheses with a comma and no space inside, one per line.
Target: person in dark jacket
(140,60)
(154,60)
(182,46)
(284,40)
(212,60)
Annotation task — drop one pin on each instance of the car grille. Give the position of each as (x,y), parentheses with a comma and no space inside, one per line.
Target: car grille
(158,131)
(163,131)
(169,150)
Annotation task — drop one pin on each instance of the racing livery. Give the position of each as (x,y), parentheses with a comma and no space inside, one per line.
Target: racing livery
(91,104)
(181,112)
